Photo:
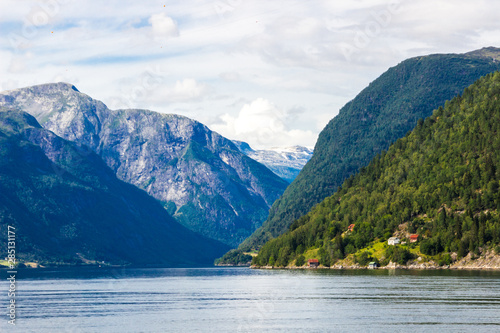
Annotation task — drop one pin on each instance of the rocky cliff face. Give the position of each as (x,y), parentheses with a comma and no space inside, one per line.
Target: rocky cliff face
(201,178)
(68,207)
(286,162)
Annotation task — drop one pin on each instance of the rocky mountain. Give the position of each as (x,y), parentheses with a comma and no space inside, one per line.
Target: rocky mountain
(200,177)
(380,114)
(68,207)
(440,183)
(286,162)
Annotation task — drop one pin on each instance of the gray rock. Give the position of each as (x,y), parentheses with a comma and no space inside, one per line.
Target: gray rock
(200,177)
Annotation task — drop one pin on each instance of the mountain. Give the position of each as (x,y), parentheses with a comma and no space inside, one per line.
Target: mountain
(286,162)
(440,182)
(68,207)
(380,114)
(200,177)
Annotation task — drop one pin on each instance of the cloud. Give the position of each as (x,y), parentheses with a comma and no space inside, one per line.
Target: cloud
(151,90)
(182,91)
(293,41)
(163,26)
(20,63)
(263,124)
(230,76)
(217,60)
(186,90)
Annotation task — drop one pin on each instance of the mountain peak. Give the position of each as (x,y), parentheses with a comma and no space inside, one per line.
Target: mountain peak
(243,146)
(70,207)
(486,52)
(199,176)
(286,162)
(14,120)
(51,87)
(380,114)
(439,182)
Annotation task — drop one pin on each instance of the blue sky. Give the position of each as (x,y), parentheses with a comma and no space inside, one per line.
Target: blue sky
(271,73)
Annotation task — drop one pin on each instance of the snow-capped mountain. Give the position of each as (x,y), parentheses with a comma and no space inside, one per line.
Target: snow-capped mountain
(286,162)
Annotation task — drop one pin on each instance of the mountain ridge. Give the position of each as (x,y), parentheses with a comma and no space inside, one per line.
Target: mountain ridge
(380,114)
(200,177)
(286,162)
(68,207)
(440,183)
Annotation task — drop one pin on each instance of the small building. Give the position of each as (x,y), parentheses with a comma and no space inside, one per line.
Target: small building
(413,238)
(393,241)
(313,263)
(350,227)
(372,265)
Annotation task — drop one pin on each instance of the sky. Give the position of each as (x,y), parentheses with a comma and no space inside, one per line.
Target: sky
(271,73)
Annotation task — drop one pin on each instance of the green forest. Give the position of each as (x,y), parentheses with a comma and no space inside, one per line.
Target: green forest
(68,207)
(441,181)
(379,115)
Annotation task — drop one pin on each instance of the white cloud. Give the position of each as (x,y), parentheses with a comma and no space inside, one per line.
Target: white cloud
(151,89)
(230,76)
(293,41)
(187,89)
(163,26)
(263,124)
(20,63)
(223,59)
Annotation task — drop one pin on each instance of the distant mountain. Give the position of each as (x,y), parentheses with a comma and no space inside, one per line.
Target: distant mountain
(285,162)
(380,114)
(200,177)
(68,207)
(440,182)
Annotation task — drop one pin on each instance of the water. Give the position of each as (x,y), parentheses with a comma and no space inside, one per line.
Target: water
(245,300)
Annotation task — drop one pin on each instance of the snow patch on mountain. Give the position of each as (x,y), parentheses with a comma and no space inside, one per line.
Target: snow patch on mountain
(286,162)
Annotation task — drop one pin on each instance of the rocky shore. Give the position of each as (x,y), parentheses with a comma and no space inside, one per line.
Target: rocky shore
(488,261)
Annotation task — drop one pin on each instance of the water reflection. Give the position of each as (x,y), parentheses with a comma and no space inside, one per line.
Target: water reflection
(241,299)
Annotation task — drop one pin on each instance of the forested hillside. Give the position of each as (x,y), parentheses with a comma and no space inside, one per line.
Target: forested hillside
(383,112)
(441,181)
(68,207)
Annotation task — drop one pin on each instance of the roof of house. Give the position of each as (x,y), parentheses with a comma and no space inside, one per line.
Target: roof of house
(393,241)
(414,236)
(313,261)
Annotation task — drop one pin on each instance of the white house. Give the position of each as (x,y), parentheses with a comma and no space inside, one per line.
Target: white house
(393,241)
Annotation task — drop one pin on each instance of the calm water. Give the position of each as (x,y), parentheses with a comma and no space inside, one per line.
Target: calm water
(245,300)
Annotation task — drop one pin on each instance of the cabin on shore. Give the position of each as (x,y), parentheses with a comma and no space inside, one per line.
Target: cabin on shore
(393,241)
(372,265)
(413,238)
(313,263)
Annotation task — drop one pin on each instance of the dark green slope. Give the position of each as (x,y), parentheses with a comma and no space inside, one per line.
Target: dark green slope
(66,204)
(200,177)
(440,181)
(383,112)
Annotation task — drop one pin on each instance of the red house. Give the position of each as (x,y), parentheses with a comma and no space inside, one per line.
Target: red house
(413,238)
(350,227)
(313,263)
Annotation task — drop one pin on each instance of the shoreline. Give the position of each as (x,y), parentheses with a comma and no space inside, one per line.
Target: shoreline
(489,261)
(400,267)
